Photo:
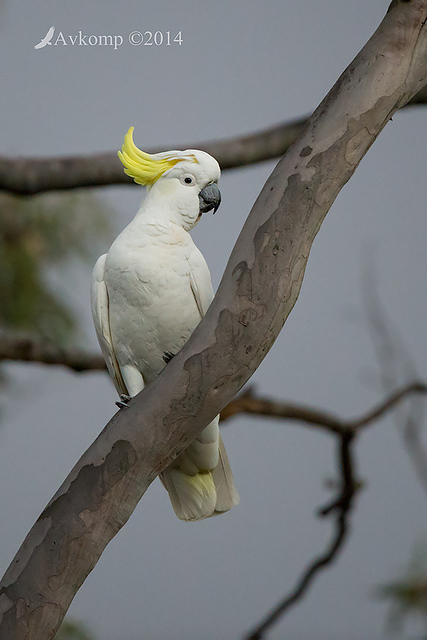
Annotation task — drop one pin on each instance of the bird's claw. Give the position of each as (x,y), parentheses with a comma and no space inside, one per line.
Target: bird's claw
(167,356)
(123,402)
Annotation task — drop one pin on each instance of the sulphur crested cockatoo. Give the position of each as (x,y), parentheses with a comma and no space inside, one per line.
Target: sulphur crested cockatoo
(149,292)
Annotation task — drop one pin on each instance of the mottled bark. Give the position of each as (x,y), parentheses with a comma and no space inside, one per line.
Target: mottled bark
(259,288)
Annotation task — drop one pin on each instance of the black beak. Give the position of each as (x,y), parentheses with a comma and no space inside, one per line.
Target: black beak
(209,198)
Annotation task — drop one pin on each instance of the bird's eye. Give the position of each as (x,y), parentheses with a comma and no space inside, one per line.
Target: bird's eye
(187,179)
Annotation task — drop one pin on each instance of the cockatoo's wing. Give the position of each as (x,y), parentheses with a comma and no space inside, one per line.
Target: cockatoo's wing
(101,319)
(196,293)
(199,481)
(200,281)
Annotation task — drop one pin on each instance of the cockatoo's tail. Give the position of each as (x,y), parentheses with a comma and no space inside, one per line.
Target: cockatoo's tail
(147,168)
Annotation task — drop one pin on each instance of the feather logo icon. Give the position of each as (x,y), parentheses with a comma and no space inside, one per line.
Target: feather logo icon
(46,40)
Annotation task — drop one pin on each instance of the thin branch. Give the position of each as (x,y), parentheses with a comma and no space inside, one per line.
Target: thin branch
(342,505)
(248,403)
(27,176)
(415,388)
(416,449)
(20,348)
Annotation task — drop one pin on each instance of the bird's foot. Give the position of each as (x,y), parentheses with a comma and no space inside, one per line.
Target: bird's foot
(167,356)
(123,402)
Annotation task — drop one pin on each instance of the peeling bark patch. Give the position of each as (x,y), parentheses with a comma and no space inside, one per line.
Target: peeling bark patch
(356,144)
(93,482)
(5,604)
(247,294)
(247,316)
(60,536)
(191,401)
(325,192)
(288,281)
(337,163)
(39,533)
(265,242)
(44,620)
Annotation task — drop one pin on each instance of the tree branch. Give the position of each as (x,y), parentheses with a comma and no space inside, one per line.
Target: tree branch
(22,348)
(28,176)
(259,288)
(415,448)
(415,388)
(342,505)
(248,403)
(345,431)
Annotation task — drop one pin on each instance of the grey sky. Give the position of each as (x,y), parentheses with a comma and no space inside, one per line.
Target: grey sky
(242,66)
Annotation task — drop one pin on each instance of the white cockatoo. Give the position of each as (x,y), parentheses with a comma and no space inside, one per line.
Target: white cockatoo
(149,292)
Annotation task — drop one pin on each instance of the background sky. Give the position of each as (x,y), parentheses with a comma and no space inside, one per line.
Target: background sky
(242,66)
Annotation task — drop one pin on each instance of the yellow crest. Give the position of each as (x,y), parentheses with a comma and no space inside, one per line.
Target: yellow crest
(146,168)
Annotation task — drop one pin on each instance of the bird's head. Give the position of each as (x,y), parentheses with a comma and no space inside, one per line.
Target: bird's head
(182,184)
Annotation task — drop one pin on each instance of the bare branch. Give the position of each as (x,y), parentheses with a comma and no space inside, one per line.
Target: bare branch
(22,348)
(248,403)
(415,388)
(416,449)
(259,288)
(27,176)
(345,431)
(342,506)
